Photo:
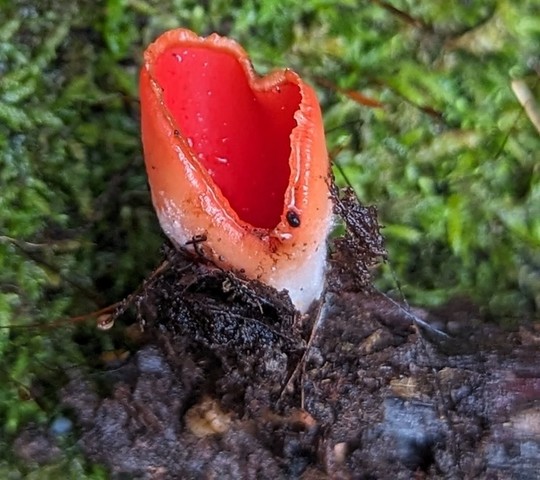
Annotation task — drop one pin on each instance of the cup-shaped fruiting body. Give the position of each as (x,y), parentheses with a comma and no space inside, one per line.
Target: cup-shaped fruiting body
(237,159)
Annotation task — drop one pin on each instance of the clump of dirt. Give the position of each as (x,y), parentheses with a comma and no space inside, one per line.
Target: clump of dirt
(233,383)
(361,248)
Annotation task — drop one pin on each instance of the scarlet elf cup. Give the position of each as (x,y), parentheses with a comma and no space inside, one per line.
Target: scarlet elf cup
(237,158)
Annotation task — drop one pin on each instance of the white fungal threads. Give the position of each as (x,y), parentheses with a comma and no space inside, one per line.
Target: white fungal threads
(304,283)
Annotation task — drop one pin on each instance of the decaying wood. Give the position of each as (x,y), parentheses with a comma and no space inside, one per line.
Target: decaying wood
(226,387)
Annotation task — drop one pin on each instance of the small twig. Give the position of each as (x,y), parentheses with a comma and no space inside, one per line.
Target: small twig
(339,168)
(415,319)
(128,301)
(58,246)
(219,310)
(301,365)
(527,101)
(432,112)
(354,95)
(510,130)
(105,316)
(71,320)
(31,254)
(404,16)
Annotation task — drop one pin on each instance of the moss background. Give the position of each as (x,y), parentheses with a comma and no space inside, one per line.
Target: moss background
(451,160)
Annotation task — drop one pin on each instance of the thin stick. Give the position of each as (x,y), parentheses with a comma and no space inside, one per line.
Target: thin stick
(527,101)
(300,366)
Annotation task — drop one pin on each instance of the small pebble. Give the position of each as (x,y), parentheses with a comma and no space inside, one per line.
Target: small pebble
(61,426)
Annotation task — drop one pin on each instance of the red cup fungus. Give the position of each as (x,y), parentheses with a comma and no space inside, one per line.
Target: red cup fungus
(238,159)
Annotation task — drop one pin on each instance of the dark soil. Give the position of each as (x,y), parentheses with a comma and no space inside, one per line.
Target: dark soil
(231,383)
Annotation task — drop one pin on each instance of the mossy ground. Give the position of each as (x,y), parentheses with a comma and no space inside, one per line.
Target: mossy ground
(450,159)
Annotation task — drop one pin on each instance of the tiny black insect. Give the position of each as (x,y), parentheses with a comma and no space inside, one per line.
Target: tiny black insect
(293,218)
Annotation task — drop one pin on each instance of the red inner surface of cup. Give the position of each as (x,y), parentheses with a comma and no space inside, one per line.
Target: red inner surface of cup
(240,135)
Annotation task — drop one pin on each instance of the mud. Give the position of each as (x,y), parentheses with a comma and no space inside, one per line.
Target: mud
(229,382)
(226,387)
